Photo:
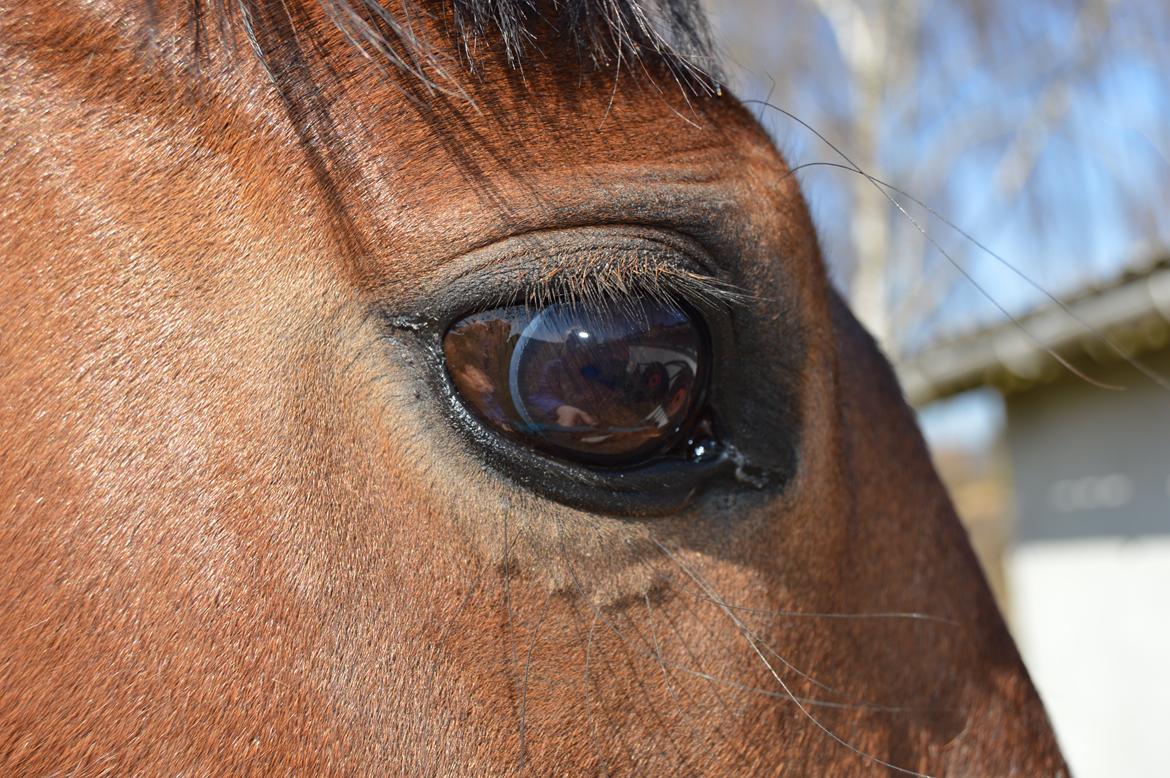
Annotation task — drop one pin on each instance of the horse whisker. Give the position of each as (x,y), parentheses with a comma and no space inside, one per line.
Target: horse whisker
(853,167)
(658,649)
(1097,333)
(811,701)
(772,671)
(527,670)
(787,664)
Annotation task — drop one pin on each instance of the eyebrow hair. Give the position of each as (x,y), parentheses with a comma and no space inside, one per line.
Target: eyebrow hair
(607,34)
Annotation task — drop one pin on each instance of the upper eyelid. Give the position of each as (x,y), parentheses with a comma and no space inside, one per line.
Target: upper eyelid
(605,262)
(608,282)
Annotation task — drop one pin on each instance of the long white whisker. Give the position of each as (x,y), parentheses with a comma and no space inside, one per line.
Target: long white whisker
(1109,343)
(810,701)
(800,706)
(954,263)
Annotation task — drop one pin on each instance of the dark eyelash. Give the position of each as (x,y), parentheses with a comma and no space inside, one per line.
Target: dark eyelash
(620,283)
(606,265)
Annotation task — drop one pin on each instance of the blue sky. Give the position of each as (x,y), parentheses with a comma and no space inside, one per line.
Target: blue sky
(1097,194)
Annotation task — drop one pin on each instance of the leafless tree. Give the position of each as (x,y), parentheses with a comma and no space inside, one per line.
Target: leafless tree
(990,110)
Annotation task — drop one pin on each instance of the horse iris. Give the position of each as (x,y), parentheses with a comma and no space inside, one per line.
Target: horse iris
(603,384)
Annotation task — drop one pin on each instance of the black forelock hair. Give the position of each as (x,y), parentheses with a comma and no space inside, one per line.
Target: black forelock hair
(607,34)
(646,36)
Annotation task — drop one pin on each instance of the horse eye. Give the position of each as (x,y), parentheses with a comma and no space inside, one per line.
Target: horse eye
(606,385)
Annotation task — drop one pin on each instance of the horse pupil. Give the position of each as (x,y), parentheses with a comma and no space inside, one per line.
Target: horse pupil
(602,384)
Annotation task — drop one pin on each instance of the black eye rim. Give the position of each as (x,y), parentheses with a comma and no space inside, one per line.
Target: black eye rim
(659,487)
(515,269)
(672,444)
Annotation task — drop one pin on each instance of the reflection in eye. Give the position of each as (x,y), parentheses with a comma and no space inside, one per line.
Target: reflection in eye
(606,384)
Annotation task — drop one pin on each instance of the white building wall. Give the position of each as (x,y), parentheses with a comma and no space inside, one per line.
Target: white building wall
(1092,620)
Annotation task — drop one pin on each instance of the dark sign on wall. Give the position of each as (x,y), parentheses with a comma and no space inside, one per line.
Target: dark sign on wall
(1092,462)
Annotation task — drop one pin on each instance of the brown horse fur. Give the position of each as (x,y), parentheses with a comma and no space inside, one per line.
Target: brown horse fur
(241,531)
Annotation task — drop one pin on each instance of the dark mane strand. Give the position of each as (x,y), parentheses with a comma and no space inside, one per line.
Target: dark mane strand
(608,34)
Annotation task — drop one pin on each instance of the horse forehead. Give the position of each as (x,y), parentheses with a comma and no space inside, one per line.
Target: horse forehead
(526,135)
(431,177)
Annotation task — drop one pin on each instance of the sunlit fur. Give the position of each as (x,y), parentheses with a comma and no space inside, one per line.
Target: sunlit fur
(241,532)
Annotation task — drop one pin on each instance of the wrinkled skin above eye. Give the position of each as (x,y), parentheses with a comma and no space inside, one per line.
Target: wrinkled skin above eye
(604,384)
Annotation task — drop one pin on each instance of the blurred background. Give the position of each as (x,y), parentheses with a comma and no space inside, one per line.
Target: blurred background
(1009,246)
